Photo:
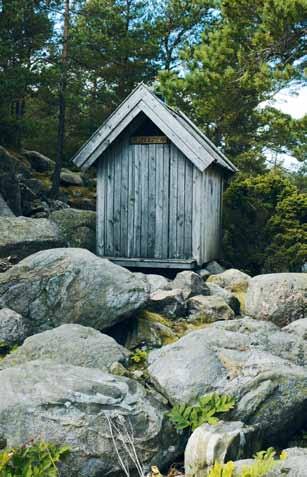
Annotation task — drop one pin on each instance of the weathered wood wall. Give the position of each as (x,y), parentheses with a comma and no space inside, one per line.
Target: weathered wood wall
(212,212)
(206,218)
(153,203)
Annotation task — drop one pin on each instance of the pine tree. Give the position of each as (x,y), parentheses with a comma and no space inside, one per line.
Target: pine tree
(265,223)
(113,46)
(177,24)
(247,53)
(24,29)
(62,104)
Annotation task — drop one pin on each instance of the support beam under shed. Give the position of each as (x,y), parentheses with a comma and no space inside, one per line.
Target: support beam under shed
(154,263)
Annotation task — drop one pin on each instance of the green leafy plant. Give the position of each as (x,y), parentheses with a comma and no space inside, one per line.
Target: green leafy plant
(139,356)
(204,411)
(35,459)
(264,462)
(222,470)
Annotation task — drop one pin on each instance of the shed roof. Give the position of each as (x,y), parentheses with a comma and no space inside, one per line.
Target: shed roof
(174,124)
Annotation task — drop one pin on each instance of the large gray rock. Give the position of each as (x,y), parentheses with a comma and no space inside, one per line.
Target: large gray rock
(190,283)
(262,367)
(204,273)
(5,264)
(5,210)
(13,328)
(155,282)
(38,161)
(298,327)
(170,303)
(210,308)
(22,236)
(77,227)
(214,268)
(232,279)
(149,330)
(277,297)
(69,178)
(69,344)
(71,285)
(218,443)
(231,300)
(76,406)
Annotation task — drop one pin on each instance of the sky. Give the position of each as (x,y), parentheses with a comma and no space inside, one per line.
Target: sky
(292,102)
(296,105)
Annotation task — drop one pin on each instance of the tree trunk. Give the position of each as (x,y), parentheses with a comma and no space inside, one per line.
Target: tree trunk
(62,108)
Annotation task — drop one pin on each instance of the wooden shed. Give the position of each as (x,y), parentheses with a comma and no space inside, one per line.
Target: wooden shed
(159,186)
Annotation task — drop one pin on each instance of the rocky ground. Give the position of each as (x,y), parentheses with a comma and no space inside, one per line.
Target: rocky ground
(78,320)
(30,220)
(95,356)
(25,178)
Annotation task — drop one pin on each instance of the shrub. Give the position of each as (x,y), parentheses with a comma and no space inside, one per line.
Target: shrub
(288,229)
(139,356)
(184,416)
(37,459)
(265,224)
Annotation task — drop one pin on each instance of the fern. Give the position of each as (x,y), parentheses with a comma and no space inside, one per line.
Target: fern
(180,416)
(184,416)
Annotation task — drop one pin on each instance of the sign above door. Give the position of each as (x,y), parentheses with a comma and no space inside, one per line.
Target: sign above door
(149,140)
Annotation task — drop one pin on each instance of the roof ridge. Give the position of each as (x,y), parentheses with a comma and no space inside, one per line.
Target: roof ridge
(192,142)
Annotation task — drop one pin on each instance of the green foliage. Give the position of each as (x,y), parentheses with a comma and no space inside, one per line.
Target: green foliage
(139,356)
(300,177)
(221,62)
(113,44)
(37,459)
(176,24)
(24,30)
(184,416)
(222,470)
(218,60)
(265,223)
(288,229)
(239,63)
(264,462)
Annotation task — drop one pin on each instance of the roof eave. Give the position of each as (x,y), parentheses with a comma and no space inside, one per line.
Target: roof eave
(196,146)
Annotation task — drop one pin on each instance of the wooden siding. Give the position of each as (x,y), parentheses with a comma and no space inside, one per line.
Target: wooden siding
(212,217)
(145,202)
(159,201)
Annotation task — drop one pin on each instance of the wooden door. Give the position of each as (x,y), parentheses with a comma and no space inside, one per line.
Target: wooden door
(148,235)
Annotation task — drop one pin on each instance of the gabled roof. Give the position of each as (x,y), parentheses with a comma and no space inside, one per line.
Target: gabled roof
(175,125)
